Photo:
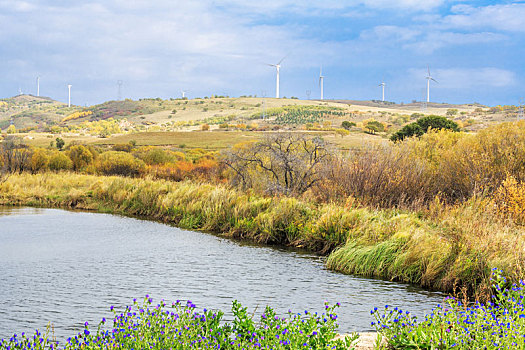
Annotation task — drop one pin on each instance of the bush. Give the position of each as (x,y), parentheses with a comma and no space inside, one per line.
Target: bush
(39,160)
(119,163)
(80,156)
(59,161)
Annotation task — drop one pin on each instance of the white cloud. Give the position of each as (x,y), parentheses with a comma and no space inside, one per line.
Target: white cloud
(435,40)
(468,78)
(509,17)
(413,5)
(390,34)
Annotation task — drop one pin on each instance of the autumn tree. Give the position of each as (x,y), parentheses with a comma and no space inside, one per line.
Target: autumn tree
(15,155)
(286,163)
(81,157)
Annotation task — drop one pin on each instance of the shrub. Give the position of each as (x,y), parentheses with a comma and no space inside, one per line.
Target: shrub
(11,129)
(119,163)
(39,160)
(81,157)
(59,161)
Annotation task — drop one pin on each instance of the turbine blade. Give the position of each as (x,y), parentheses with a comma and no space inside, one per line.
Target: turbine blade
(434,80)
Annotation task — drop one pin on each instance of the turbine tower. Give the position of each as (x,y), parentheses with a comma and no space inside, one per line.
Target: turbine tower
(69,95)
(37,86)
(429,78)
(119,84)
(321,82)
(383,84)
(277,67)
(183,93)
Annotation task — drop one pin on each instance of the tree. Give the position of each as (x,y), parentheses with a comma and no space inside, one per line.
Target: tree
(59,161)
(422,125)
(11,129)
(80,156)
(15,155)
(60,143)
(374,126)
(347,125)
(39,160)
(286,163)
(342,132)
(119,163)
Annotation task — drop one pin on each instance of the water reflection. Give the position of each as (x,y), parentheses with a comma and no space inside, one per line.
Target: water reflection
(68,267)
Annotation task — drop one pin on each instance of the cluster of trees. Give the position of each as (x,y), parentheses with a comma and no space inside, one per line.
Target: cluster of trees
(422,125)
(124,160)
(411,171)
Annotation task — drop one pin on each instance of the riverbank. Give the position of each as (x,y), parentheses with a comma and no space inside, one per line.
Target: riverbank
(443,249)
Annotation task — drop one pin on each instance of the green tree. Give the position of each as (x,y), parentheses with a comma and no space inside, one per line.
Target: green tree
(375,126)
(422,125)
(347,125)
(60,143)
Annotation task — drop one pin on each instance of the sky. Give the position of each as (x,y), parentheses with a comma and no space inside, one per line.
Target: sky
(475,49)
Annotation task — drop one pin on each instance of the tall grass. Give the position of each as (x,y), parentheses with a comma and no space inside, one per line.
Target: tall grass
(444,248)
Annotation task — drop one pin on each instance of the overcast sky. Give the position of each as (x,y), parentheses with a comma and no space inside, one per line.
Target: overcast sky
(475,49)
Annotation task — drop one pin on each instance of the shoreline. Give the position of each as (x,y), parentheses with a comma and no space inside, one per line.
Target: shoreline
(388,244)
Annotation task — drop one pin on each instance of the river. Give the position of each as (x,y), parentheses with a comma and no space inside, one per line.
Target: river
(65,268)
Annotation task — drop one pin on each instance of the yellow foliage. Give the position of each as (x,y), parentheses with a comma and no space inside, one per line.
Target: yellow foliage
(510,199)
(77,115)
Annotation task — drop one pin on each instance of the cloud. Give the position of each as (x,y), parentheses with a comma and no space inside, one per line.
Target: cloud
(468,78)
(435,40)
(392,34)
(412,5)
(506,17)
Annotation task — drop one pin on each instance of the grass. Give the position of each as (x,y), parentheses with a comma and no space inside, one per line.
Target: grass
(194,139)
(445,248)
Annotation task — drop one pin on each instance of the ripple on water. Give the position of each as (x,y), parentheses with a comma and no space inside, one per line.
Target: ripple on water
(68,267)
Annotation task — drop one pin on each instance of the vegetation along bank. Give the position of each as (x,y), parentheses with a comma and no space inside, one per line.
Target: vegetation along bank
(438,209)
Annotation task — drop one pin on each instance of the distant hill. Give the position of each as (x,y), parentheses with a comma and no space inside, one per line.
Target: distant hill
(29,112)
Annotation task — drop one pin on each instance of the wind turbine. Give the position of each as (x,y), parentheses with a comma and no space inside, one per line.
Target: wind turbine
(321,82)
(183,93)
(429,78)
(37,86)
(119,89)
(277,67)
(383,84)
(69,95)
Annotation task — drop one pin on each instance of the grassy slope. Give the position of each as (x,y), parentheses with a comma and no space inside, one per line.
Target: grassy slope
(455,248)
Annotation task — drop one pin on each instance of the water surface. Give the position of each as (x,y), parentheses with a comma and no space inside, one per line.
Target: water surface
(68,267)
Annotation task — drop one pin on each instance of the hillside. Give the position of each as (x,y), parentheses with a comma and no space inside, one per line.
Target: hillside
(39,119)
(31,112)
